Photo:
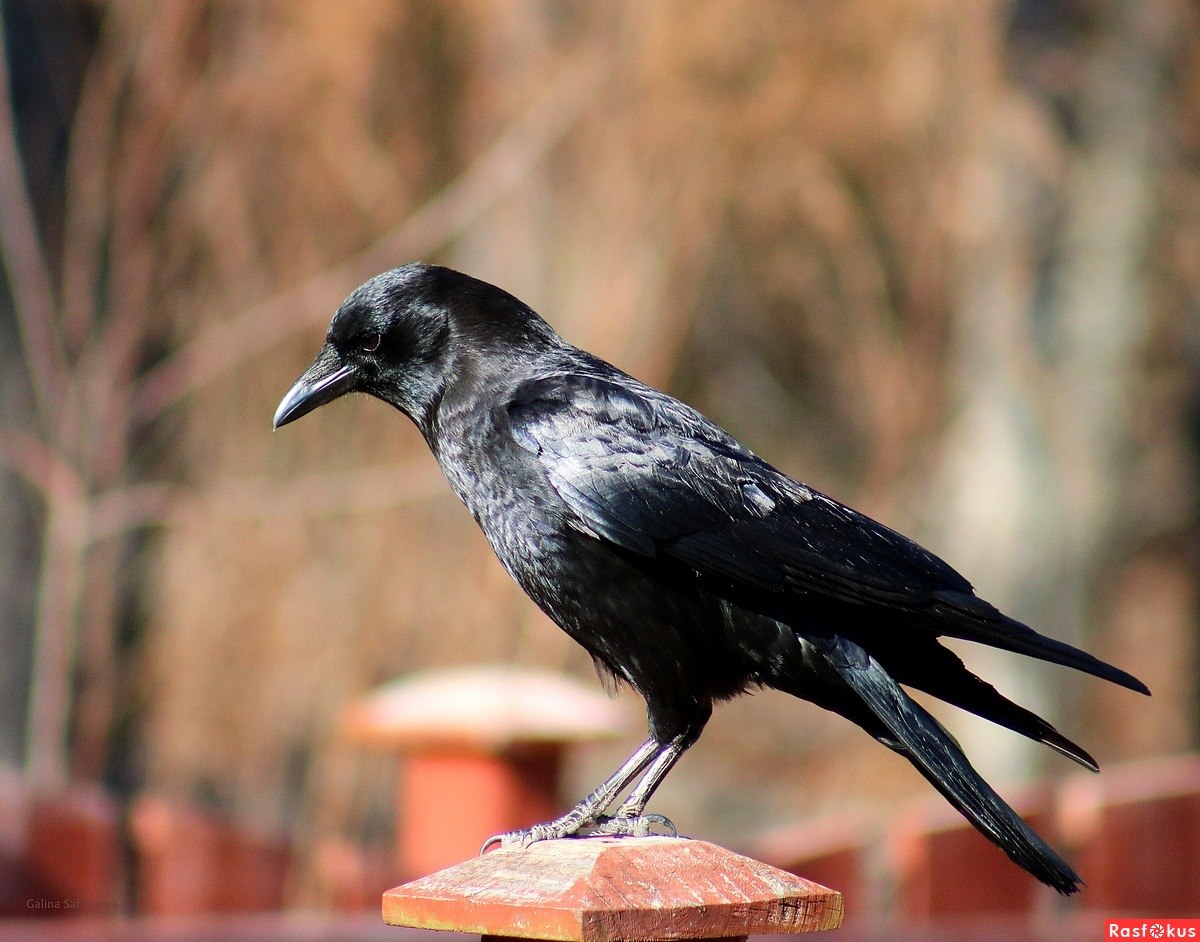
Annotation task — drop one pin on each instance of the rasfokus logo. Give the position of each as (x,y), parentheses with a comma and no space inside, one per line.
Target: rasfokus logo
(1152,928)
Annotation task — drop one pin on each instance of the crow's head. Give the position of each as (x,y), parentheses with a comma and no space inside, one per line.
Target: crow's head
(389,339)
(405,335)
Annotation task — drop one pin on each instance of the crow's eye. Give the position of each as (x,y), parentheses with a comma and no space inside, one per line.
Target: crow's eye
(370,343)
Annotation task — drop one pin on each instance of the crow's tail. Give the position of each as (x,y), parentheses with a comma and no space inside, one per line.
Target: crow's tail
(940,672)
(903,725)
(966,616)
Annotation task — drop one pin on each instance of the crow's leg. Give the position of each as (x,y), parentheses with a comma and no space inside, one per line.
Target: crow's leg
(588,811)
(629,818)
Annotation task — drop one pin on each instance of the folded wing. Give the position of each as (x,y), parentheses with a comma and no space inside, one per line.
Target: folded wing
(648,474)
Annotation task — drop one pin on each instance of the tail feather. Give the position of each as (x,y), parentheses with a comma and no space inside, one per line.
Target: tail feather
(966,616)
(941,673)
(904,726)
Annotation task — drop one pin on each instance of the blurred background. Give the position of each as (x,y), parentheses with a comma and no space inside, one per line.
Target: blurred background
(939,260)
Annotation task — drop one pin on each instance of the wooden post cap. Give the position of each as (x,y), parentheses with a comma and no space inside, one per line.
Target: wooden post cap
(603,889)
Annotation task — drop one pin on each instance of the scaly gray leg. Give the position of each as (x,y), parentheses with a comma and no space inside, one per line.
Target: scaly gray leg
(588,811)
(629,818)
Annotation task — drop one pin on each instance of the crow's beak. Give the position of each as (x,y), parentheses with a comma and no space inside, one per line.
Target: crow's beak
(322,382)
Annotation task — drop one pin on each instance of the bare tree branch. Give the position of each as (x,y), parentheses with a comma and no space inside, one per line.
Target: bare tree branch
(34,460)
(59,581)
(367,490)
(120,510)
(89,155)
(25,264)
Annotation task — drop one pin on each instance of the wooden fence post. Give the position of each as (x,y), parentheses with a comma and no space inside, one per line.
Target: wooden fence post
(614,889)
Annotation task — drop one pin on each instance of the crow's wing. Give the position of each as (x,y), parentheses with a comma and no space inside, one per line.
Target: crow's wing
(650,474)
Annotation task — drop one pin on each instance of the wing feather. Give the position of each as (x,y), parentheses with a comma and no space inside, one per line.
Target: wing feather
(655,477)
(651,475)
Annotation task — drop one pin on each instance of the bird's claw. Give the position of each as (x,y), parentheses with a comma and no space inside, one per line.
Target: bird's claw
(566,826)
(641,825)
(496,840)
(519,839)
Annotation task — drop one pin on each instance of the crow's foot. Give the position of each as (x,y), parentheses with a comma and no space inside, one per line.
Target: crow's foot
(569,825)
(578,825)
(641,825)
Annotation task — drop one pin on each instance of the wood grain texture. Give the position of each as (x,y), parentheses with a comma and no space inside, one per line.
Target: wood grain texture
(609,889)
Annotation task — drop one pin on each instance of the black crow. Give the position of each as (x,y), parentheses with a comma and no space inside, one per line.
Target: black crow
(687,566)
